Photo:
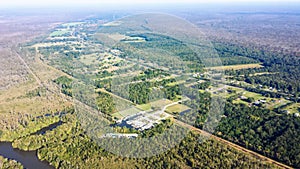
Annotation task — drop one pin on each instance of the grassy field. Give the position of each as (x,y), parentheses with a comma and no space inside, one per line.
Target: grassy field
(114,23)
(271,103)
(48,44)
(159,104)
(256,96)
(127,112)
(71,24)
(117,115)
(236,67)
(134,40)
(144,106)
(238,101)
(88,59)
(177,108)
(277,103)
(156,104)
(176,83)
(30,99)
(294,108)
(59,33)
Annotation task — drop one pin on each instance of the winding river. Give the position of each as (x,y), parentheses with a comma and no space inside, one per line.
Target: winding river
(28,159)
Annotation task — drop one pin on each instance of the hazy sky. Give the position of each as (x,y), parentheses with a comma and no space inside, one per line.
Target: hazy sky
(78,2)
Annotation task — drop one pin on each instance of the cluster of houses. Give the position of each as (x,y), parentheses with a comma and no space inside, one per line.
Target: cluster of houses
(257,102)
(145,120)
(120,135)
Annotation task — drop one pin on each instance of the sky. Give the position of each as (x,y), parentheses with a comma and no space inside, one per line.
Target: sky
(9,3)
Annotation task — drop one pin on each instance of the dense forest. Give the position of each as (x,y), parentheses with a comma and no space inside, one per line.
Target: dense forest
(6,163)
(286,67)
(271,134)
(67,147)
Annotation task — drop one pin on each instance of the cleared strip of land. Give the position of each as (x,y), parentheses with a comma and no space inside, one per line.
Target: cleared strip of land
(236,67)
(245,150)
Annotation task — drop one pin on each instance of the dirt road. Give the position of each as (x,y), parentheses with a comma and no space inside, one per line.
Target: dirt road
(263,158)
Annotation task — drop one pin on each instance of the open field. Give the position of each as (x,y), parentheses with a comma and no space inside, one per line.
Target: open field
(30,99)
(156,104)
(71,24)
(277,103)
(239,101)
(127,112)
(294,108)
(48,44)
(270,103)
(60,33)
(236,67)
(88,59)
(115,23)
(176,83)
(117,36)
(177,108)
(159,104)
(256,96)
(144,106)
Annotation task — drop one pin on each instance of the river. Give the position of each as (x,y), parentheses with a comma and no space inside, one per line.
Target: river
(28,159)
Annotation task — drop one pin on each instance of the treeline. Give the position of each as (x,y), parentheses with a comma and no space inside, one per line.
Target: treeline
(138,89)
(202,86)
(105,103)
(139,92)
(66,84)
(164,51)
(276,81)
(263,131)
(68,147)
(260,91)
(286,66)
(150,74)
(7,163)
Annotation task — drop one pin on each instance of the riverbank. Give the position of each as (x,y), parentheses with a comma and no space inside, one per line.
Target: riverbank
(19,156)
(6,163)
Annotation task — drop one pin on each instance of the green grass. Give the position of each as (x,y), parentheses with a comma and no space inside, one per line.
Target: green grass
(176,83)
(71,24)
(89,59)
(256,96)
(271,103)
(59,33)
(238,101)
(236,67)
(294,108)
(127,112)
(278,103)
(159,104)
(117,115)
(144,106)
(177,108)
